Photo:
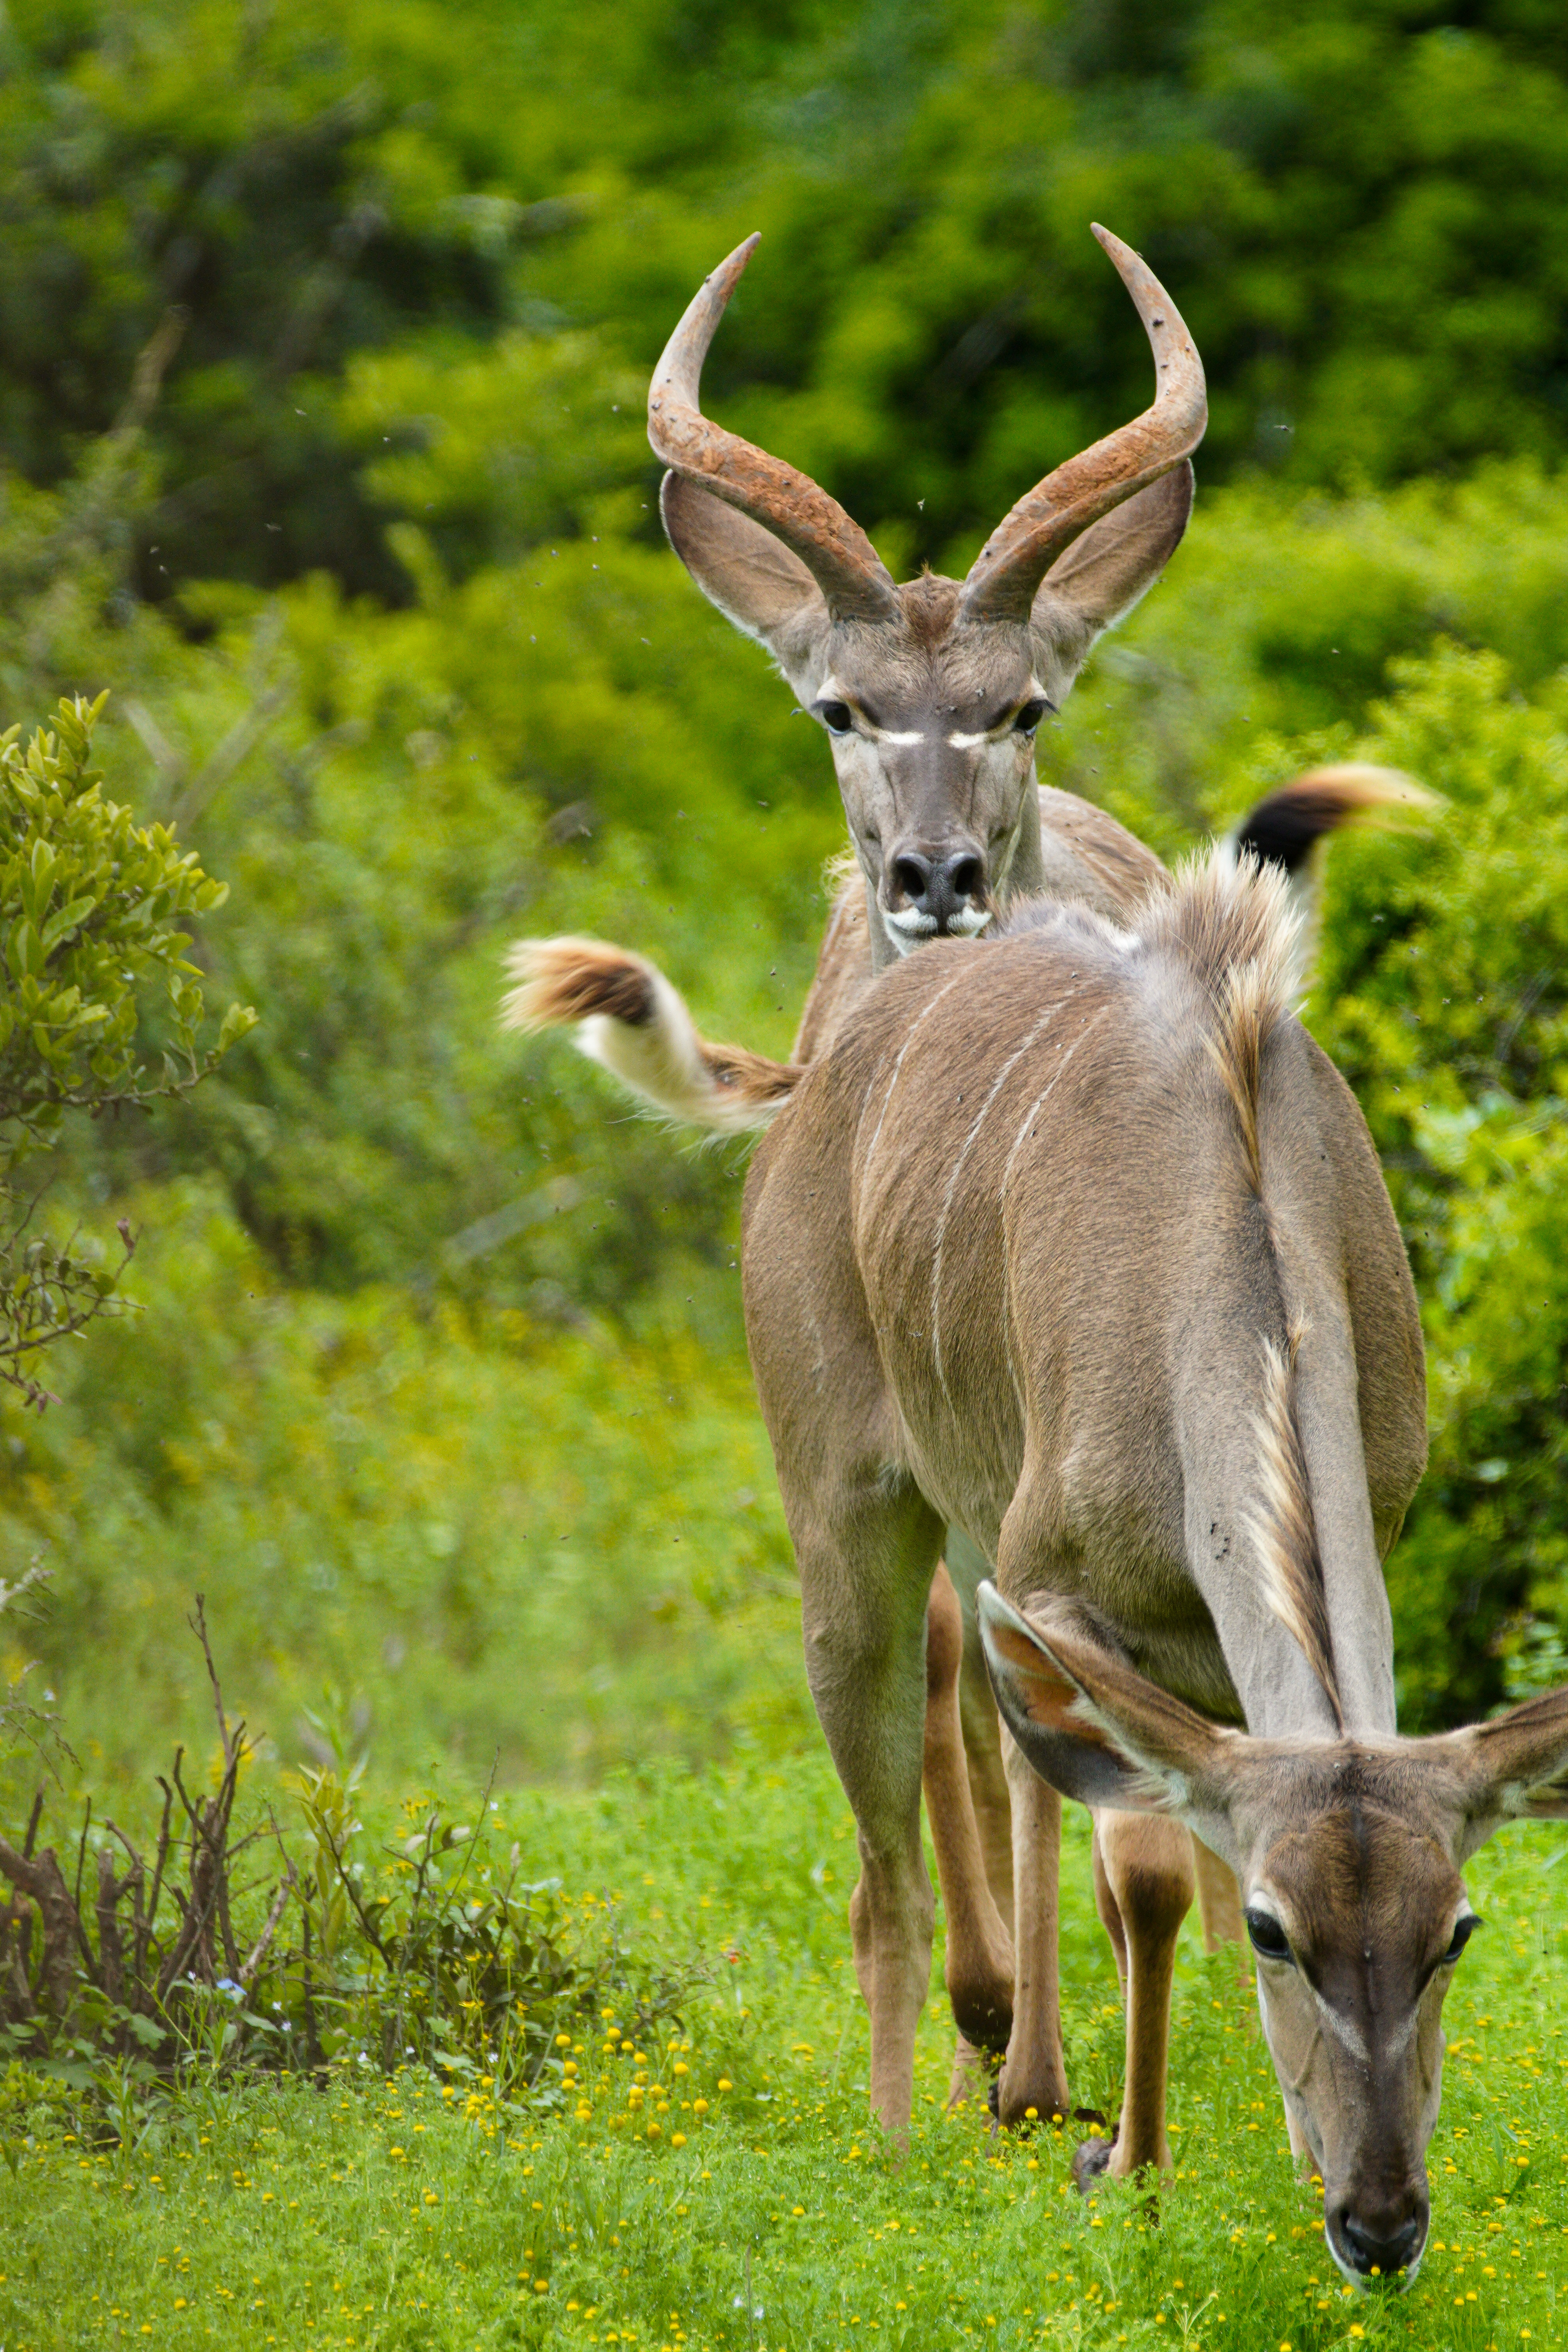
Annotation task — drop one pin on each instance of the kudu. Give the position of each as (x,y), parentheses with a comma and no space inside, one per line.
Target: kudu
(1075,1239)
(931,694)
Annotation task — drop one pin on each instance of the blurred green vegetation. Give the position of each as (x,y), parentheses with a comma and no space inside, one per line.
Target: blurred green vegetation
(439,1390)
(90,908)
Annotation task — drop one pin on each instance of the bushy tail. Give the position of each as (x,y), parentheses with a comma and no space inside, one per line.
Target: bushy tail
(630,1020)
(1289,828)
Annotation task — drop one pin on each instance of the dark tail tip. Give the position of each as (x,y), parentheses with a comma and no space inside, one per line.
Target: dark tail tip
(1286,828)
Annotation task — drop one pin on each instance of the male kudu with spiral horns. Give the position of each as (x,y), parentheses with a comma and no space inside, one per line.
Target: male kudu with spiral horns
(931,694)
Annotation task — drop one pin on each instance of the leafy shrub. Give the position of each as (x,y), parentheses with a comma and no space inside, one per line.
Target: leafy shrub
(1444,999)
(89,910)
(438,1951)
(321,187)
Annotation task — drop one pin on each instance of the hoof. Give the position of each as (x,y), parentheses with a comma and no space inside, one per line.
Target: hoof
(971,2071)
(985,2022)
(1052,2111)
(1089,2160)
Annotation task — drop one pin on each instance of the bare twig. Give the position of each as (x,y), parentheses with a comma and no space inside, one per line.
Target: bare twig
(40,1877)
(145,1935)
(81,1850)
(198,1625)
(260,1949)
(352,1891)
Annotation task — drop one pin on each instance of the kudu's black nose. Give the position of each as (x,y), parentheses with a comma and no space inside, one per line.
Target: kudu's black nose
(939,886)
(1367,2249)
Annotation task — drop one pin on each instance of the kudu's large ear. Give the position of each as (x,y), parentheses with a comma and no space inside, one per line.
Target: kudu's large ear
(753,578)
(1516,1765)
(1102,575)
(1097,1731)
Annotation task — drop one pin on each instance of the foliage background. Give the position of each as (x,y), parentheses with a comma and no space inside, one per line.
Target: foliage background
(439,1390)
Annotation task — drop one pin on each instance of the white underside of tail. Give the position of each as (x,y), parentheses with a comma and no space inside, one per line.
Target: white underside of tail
(660,1060)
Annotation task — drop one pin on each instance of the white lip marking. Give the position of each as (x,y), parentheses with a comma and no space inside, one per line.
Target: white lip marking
(908,926)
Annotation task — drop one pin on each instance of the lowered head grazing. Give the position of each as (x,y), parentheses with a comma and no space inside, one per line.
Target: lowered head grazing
(930,693)
(1349,1855)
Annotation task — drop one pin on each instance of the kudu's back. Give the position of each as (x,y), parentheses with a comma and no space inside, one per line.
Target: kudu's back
(1061,1194)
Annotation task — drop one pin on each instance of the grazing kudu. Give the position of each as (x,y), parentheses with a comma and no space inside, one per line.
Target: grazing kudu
(1075,1239)
(931,694)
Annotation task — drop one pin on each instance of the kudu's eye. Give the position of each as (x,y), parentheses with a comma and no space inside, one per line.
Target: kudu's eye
(1270,1940)
(1463,1930)
(1029,718)
(837,717)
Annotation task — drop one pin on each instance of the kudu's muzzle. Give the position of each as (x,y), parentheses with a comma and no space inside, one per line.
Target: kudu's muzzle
(936,893)
(1382,2232)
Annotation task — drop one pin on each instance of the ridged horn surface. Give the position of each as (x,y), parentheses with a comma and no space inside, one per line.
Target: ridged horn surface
(851,576)
(1015,558)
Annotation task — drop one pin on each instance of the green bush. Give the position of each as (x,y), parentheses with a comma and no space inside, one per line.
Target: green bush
(552,732)
(89,910)
(1360,210)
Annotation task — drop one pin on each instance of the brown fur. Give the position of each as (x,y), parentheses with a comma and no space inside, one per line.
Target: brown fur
(562,981)
(630,1019)
(970,1245)
(929,606)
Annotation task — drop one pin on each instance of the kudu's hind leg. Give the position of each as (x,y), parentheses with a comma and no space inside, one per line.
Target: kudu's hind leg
(966,1565)
(864,1600)
(979,1966)
(1143,1884)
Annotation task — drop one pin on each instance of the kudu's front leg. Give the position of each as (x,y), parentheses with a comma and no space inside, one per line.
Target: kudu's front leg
(1143,1884)
(1034,2074)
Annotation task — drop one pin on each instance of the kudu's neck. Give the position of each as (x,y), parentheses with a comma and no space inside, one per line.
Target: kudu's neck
(1279,1525)
(1025,876)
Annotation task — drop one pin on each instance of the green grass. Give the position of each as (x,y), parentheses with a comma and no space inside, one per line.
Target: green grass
(399,2215)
